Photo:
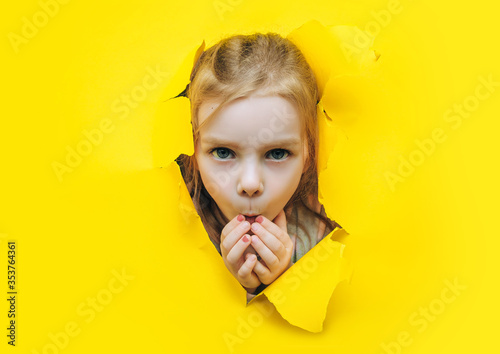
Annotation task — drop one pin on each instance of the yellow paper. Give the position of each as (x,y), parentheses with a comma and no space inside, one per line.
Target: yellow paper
(109,254)
(324,48)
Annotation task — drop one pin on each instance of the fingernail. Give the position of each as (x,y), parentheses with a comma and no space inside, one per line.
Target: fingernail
(259,219)
(240,218)
(255,227)
(245,238)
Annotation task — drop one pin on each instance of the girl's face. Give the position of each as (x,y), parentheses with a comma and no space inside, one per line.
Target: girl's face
(251,155)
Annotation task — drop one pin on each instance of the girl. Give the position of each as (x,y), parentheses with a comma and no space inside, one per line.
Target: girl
(253,176)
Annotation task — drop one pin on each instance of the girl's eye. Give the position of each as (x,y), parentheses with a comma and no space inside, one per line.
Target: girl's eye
(221,153)
(278,154)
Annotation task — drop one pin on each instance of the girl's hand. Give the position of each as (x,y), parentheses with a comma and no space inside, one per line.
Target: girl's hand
(234,241)
(272,243)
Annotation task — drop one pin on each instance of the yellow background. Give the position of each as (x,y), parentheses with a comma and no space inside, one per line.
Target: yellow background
(115,212)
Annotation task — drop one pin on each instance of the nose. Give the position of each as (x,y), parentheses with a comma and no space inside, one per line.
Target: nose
(250,181)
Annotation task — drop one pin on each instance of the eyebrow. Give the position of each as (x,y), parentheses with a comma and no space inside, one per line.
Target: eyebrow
(290,142)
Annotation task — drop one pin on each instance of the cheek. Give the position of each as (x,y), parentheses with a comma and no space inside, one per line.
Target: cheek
(214,179)
(283,184)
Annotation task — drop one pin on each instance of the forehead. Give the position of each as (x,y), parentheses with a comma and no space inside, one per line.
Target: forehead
(267,117)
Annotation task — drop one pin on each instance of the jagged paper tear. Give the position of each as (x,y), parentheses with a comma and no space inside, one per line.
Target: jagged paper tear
(301,294)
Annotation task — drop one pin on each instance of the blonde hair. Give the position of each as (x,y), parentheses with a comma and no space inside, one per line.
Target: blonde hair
(236,67)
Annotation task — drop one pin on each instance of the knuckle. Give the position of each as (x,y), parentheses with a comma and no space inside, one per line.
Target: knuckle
(275,262)
(225,245)
(266,280)
(241,273)
(229,259)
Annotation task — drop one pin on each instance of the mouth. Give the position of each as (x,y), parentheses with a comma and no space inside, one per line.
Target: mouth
(250,218)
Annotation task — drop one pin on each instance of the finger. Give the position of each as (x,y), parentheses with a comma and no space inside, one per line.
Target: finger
(250,250)
(265,253)
(232,234)
(271,241)
(229,227)
(236,252)
(278,231)
(261,271)
(246,269)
